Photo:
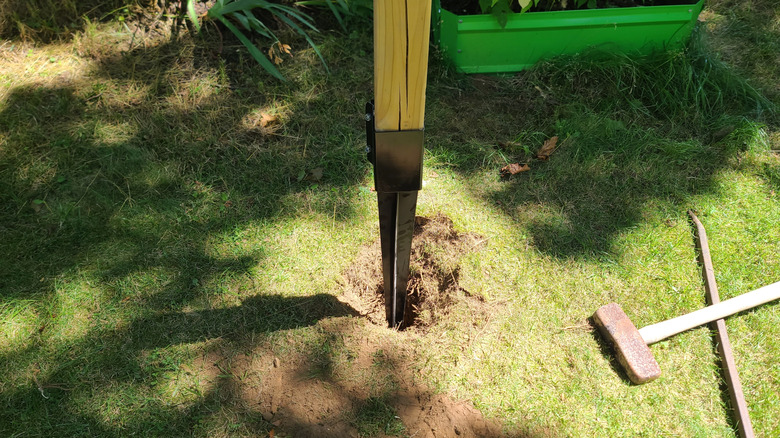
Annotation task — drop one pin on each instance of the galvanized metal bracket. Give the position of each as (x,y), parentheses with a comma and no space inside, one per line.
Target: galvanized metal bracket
(398,161)
(397,157)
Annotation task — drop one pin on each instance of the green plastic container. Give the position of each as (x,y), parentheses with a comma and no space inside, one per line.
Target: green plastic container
(478,44)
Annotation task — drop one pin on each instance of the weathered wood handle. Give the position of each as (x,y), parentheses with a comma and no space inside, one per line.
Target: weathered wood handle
(662,330)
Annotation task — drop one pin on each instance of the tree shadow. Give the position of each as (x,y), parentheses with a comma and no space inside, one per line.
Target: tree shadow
(47,21)
(126,357)
(620,159)
(119,181)
(89,181)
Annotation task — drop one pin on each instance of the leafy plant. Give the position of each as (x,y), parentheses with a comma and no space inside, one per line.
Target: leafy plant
(243,12)
(343,9)
(501,8)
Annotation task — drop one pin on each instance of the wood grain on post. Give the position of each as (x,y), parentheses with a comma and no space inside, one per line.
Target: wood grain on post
(401,38)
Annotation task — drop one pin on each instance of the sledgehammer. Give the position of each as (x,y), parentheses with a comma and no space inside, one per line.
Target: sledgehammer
(631,345)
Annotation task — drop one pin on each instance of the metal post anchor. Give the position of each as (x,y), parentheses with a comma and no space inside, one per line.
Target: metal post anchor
(397,158)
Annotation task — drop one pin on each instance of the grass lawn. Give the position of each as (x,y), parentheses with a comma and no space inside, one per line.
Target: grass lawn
(177,229)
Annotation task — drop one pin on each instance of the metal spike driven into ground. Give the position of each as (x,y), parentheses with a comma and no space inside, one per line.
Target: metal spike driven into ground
(397,159)
(394,128)
(396,227)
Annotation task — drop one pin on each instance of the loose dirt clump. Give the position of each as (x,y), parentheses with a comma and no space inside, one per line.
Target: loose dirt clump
(433,288)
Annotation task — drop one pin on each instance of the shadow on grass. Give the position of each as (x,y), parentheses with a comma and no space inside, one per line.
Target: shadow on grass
(121,181)
(122,361)
(627,153)
(46,21)
(139,181)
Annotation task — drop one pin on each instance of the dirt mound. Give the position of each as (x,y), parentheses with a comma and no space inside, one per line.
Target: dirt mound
(437,249)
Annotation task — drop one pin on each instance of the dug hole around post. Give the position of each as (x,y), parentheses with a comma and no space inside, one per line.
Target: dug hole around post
(359,379)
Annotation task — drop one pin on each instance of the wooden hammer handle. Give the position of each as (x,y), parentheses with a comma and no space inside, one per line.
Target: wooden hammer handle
(662,330)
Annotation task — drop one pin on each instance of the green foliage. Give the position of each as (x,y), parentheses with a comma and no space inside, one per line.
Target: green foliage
(192,15)
(157,242)
(344,10)
(246,13)
(502,8)
(49,20)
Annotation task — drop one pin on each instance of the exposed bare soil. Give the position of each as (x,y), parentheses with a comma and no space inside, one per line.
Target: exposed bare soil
(359,378)
(437,249)
(336,393)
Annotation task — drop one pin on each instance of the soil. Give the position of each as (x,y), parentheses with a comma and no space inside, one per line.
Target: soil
(433,287)
(321,396)
(360,377)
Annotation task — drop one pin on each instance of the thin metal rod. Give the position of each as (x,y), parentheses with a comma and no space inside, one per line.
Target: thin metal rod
(738,404)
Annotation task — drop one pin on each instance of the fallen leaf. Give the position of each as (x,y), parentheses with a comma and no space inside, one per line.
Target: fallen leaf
(514,169)
(277,50)
(547,148)
(274,57)
(266,119)
(271,433)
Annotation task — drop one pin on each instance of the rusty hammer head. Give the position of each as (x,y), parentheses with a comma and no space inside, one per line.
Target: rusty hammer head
(632,351)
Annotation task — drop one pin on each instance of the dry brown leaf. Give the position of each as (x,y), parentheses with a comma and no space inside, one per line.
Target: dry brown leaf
(277,50)
(514,169)
(547,148)
(266,119)
(276,59)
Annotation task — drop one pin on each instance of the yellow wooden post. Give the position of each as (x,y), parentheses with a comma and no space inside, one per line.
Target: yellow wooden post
(401,38)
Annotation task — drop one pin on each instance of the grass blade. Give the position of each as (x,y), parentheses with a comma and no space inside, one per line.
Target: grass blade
(336,14)
(303,33)
(193,15)
(245,5)
(303,18)
(254,51)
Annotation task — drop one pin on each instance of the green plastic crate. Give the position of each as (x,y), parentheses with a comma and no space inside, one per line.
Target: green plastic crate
(478,44)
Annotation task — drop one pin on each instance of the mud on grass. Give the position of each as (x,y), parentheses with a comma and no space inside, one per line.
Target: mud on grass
(433,288)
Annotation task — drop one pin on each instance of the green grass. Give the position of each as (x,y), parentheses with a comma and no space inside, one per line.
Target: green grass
(48,20)
(148,217)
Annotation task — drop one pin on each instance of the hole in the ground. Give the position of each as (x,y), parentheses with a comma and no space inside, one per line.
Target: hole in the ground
(433,288)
